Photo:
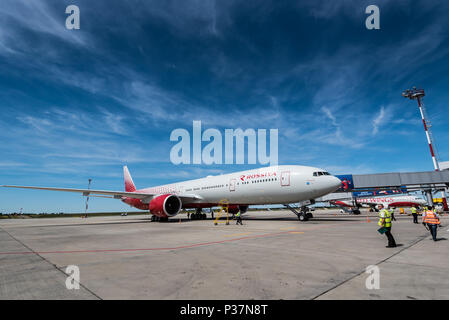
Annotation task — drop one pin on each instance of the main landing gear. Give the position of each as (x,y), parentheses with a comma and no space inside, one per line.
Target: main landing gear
(198,215)
(303,215)
(355,211)
(158,219)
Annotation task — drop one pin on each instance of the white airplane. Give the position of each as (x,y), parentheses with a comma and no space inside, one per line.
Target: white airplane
(270,185)
(386,201)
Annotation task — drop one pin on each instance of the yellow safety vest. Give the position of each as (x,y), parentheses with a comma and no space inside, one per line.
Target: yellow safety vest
(413,210)
(387,218)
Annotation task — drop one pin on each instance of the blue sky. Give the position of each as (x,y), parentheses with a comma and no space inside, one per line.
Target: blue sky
(79,104)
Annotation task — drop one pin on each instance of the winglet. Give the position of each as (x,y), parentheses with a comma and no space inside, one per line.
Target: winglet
(129,184)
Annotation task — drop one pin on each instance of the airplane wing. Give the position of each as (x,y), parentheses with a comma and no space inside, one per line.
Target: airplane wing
(186,198)
(85,192)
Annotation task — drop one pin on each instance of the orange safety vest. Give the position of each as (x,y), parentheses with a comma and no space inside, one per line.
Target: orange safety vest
(431,218)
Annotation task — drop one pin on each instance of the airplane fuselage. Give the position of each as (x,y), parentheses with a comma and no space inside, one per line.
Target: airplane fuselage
(270,185)
(386,201)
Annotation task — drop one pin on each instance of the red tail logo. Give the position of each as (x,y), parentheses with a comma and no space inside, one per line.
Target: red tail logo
(129,184)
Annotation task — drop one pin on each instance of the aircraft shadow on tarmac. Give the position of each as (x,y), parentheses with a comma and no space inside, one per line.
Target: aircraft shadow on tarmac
(185,219)
(292,218)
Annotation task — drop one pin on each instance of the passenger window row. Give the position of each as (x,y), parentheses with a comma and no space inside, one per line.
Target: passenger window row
(213,187)
(238,183)
(264,180)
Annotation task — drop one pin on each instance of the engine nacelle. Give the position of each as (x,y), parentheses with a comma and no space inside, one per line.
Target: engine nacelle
(166,205)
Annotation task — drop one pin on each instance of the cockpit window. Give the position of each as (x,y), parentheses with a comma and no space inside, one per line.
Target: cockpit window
(321,173)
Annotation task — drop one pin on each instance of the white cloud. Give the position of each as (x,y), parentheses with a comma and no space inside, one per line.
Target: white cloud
(36,17)
(378,121)
(329,114)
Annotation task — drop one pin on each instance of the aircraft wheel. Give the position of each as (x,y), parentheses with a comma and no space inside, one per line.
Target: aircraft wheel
(302,217)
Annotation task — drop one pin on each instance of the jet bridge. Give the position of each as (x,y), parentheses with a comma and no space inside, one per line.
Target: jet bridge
(429,182)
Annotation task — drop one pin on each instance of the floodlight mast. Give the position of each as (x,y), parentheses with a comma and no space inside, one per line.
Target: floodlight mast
(418,94)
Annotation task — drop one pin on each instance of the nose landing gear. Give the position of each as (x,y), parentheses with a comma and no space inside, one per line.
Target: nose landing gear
(303,215)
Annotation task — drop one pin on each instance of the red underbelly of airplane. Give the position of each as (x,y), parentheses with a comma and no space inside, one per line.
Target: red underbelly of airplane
(403,204)
(341,204)
(136,203)
(232,208)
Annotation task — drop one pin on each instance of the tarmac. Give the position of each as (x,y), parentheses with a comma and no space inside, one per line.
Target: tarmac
(272,256)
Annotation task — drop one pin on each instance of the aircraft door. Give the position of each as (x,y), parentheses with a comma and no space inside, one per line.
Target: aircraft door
(285,178)
(232,185)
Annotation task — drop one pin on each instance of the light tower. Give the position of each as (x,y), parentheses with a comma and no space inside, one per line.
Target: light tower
(418,94)
(87,199)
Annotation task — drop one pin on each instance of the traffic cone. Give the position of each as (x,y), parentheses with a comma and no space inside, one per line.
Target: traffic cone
(367,219)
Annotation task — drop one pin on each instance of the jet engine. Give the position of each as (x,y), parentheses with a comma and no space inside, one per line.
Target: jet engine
(166,205)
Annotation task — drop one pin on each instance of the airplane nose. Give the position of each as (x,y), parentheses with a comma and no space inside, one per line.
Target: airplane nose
(336,183)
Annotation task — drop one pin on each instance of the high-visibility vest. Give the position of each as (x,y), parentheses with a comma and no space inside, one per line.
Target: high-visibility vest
(387,218)
(431,218)
(238,214)
(413,210)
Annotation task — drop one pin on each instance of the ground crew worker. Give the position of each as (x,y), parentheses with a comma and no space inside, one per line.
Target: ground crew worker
(431,218)
(392,214)
(385,221)
(415,215)
(239,219)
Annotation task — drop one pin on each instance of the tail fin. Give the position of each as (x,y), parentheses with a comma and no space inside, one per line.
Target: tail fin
(129,184)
